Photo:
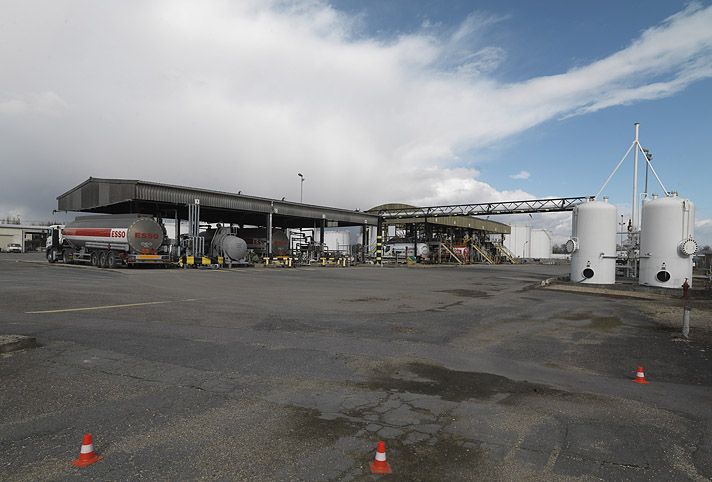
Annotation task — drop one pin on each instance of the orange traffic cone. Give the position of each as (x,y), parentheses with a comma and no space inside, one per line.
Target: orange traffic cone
(379,465)
(87,456)
(640,376)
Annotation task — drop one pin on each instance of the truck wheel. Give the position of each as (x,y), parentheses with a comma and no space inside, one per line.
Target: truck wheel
(102,259)
(50,256)
(66,257)
(94,258)
(110,259)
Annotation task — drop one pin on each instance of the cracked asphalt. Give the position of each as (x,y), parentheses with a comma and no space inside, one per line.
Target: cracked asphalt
(467,373)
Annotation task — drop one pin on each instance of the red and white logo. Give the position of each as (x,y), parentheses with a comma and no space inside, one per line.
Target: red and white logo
(118,233)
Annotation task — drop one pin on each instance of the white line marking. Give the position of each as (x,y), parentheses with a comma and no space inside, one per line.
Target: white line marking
(107,307)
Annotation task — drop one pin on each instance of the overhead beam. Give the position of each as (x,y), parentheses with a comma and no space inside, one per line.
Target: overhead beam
(487,209)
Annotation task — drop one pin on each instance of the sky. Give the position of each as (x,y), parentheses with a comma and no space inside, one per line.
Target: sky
(423,102)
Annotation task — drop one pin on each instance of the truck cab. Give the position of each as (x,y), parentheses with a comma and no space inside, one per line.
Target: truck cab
(55,240)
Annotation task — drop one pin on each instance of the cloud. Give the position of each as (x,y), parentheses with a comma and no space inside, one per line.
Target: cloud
(520,175)
(48,103)
(703,232)
(243,95)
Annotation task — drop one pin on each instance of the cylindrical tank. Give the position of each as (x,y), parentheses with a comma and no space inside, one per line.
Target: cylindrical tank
(666,241)
(593,243)
(403,249)
(256,239)
(138,233)
(226,244)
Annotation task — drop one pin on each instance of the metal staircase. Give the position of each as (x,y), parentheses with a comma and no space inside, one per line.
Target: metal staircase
(505,253)
(482,251)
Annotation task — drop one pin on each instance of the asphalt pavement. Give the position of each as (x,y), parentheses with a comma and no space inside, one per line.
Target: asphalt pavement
(466,373)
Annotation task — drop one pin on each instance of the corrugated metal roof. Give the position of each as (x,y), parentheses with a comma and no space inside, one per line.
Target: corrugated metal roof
(470,222)
(108,195)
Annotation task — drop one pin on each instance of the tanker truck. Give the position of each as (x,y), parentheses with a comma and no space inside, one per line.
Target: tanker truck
(108,241)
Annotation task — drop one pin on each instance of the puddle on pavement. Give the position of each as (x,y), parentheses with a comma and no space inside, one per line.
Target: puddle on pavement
(367,299)
(451,385)
(464,293)
(604,323)
(284,325)
(308,423)
(428,459)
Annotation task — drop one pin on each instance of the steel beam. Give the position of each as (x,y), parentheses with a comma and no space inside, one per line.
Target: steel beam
(486,209)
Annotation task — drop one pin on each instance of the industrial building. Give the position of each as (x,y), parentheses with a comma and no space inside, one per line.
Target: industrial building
(438,239)
(236,210)
(30,238)
(439,234)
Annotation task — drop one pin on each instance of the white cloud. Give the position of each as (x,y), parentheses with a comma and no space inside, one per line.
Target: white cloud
(245,95)
(703,232)
(520,175)
(32,102)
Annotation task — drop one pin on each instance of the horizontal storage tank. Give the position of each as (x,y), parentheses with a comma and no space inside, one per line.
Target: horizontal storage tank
(666,241)
(222,242)
(593,243)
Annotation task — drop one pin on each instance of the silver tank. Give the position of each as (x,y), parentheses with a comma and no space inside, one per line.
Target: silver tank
(222,242)
(140,233)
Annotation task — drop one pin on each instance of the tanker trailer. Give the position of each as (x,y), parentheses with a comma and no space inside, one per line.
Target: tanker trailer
(109,241)
(221,242)
(256,239)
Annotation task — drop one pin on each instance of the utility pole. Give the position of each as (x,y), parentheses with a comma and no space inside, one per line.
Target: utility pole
(301,187)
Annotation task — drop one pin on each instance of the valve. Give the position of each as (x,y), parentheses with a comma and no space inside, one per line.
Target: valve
(685,289)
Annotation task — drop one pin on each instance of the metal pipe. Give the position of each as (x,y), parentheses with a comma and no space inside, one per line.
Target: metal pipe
(654,173)
(635,178)
(686,321)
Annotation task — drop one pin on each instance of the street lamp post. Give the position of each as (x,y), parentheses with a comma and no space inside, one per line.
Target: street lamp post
(524,249)
(301,187)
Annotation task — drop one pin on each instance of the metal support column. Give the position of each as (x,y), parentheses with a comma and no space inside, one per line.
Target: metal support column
(364,242)
(321,231)
(415,242)
(269,232)
(196,241)
(379,241)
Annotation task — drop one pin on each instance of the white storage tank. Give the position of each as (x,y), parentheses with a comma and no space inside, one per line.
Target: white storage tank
(666,241)
(593,243)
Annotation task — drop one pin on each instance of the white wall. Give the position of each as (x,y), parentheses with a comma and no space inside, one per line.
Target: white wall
(10,235)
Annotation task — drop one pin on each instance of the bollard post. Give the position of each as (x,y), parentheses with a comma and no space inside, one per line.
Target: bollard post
(686,322)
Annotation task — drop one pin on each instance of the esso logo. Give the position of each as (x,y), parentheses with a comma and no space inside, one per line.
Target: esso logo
(146,236)
(118,233)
